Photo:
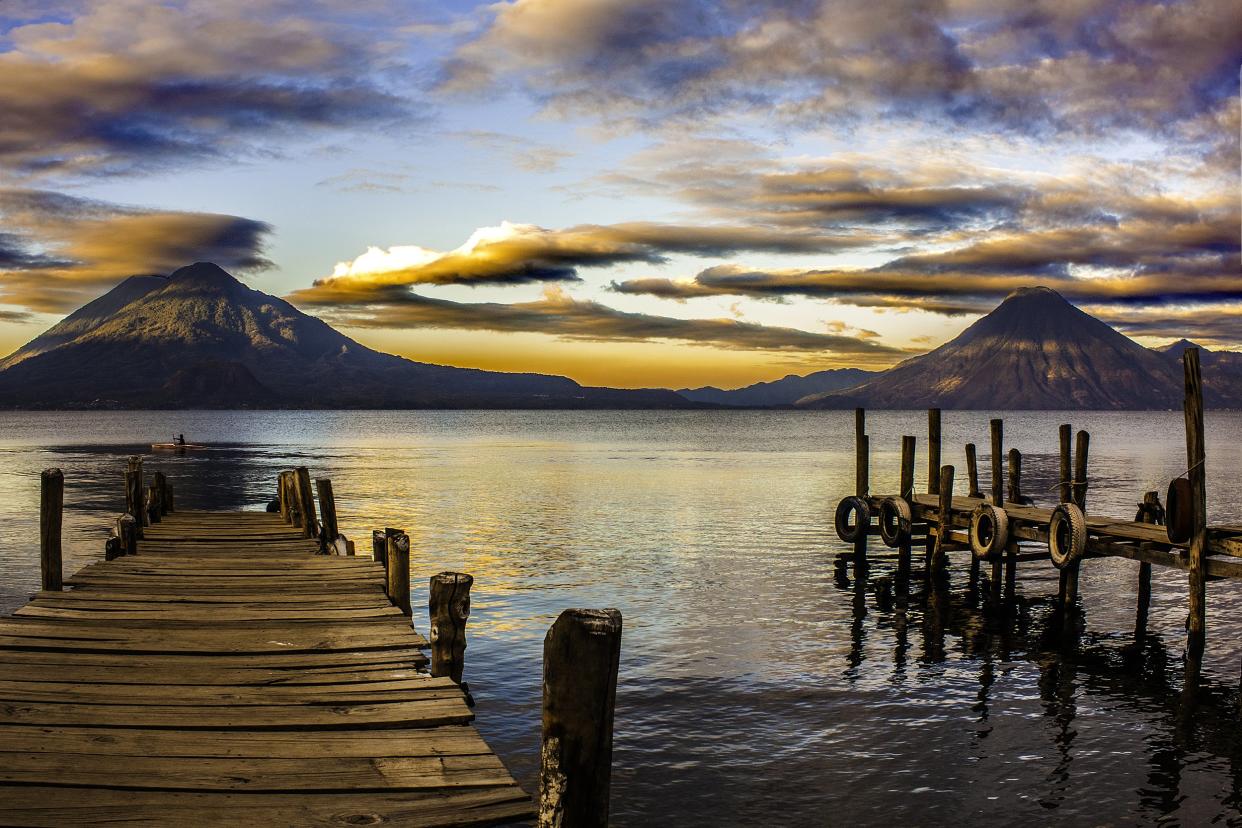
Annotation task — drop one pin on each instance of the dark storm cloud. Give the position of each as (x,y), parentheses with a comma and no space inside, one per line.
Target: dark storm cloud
(86,245)
(131,85)
(558,314)
(1021,64)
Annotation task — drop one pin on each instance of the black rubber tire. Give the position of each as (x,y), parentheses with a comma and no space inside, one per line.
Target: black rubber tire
(860,510)
(1067,535)
(896,519)
(989,531)
(1179,517)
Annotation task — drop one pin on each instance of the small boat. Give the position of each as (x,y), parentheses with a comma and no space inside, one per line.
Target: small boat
(176,446)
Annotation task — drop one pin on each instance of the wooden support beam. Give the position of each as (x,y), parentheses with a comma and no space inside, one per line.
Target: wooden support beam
(448,606)
(327,505)
(133,491)
(1196,455)
(972,472)
(907,466)
(933,451)
(1078,494)
(1151,501)
(998,461)
(1081,445)
(1015,477)
(284,492)
(51,518)
(1066,491)
(169,499)
(581,654)
(161,486)
(399,572)
(379,547)
(1014,496)
(154,513)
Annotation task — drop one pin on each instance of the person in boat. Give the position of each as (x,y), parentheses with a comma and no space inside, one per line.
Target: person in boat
(180,440)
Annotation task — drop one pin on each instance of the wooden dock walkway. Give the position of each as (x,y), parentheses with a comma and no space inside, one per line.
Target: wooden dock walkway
(227,674)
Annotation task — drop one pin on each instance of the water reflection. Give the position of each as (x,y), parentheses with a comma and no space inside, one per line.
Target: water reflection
(765,669)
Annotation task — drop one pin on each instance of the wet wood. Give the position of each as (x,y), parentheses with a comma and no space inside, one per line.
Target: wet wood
(1014,495)
(581,653)
(862,454)
(933,450)
(398,575)
(972,472)
(1147,514)
(234,686)
(1065,490)
(1195,461)
(997,428)
(306,501)
(939,557)
(449,609)
(51,514)
(327,507)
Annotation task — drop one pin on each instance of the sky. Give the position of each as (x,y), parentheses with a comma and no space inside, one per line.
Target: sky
(632,192)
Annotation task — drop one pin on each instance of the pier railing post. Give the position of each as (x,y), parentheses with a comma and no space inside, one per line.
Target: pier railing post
(51,517)
(399,571)
(1195,460)
(581,653)
(448,606)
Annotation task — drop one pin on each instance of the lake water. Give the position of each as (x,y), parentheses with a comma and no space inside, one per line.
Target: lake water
(755,687)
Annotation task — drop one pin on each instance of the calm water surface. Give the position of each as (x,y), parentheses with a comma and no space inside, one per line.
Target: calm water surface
(756,687)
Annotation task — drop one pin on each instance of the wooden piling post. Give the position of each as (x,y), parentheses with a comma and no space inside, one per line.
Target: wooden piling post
(1078,495)
(998,460)
(284,492)
(306,502)
(327,506)
(51,518)
(1196,455)
(399,571)
(170,502)
(133,491)
(127,534)
(972,472)
(944,517)
(448,606)
(379,546)
(933,450)
(1014,496)
(1066,493)
(154,513)
(906,490)
(862,454)
(581,654)
(1143,607)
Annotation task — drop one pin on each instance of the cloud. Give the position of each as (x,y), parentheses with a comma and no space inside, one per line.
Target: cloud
(1020,65)
(129,85)
(60,250)
(532,156)
(1214,325)
(524,253)
(558,314)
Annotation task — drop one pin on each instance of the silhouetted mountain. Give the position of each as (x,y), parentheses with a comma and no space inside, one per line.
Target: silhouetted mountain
(1034,351)
(200,338)
(785,391)
(1222,372)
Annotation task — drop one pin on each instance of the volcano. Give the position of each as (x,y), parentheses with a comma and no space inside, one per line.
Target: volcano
(200,338)
(1034,351)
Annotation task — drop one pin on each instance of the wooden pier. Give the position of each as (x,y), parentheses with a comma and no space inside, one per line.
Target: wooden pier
(1004,527)
(228,668)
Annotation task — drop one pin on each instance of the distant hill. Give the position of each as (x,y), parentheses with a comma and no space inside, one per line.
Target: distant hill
(784,391)
(1037,351)
(201,338)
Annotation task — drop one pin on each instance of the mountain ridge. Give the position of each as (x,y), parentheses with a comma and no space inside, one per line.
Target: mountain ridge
(201,338)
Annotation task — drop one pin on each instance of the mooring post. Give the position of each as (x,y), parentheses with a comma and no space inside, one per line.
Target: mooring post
(306,502)
(127,533)
(1151,502)
(905,490)
(581,654)
(933,450)
(133,491)
(284,492)
(862,454)
(972,472)
(327,506)
(996,427)
(379,546)
(1078,495)
(161,490)
(448,606)
(1196,454)
(140,516)
(1015,497)
(944,518)
(51,517)
(154,513)
(170,502)
(399,572)
(1066,493)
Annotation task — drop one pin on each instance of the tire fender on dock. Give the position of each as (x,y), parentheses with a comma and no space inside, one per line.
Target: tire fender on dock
(1067,535)
(989,531)
(857,508)
(896,521)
